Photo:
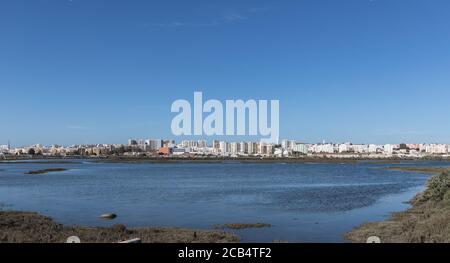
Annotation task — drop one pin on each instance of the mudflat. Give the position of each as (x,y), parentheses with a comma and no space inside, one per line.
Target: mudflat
(30,227)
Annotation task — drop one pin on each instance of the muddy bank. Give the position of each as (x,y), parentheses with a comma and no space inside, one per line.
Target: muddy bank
(29,227)
(45,171)
(428,221)
(428,170)
(242,226)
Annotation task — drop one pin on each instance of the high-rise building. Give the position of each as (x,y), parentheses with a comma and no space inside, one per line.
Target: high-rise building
(202,144)
(243,147)
(141,144)
(262,149)
(270,149)
(224,147)
(252,147)
(235,147)
(216,144)
(153,144)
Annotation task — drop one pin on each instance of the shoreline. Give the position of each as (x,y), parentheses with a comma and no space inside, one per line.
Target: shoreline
(122,159)
(427,221)
(31,227)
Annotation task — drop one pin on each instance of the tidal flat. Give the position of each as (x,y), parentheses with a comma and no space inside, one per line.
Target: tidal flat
(29,227)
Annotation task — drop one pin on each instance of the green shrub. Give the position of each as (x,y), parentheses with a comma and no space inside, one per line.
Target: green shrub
(447,196)
(437,190)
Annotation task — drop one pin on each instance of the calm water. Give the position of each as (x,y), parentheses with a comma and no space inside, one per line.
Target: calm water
(304,202)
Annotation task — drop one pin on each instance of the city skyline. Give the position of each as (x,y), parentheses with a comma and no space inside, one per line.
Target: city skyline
(154,148)
(209,141)
(86,72)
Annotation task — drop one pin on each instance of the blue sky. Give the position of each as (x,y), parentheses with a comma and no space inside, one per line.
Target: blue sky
(88,71)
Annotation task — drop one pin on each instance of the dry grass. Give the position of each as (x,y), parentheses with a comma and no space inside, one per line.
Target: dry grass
(428,221)
(27,227)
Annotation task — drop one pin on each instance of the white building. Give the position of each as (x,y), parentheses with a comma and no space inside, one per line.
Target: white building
(235,147)
(190,143)
(180,151)
(372,148)
(436,149)
(270,149)
(202,144)
(300,148)
(252,147)
(4,149)
(243,148)
(288,144)
(153,144)
(322,148)
(389,148)
(344,148)
(224,147)
(360,148)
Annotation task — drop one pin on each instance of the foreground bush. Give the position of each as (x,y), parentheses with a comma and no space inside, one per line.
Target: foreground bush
(428,221)
(437,189)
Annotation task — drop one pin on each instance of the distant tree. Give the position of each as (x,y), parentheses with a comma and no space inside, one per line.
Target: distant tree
(31,151)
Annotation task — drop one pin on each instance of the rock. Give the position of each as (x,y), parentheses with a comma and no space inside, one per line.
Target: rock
(108,216)
(134,240)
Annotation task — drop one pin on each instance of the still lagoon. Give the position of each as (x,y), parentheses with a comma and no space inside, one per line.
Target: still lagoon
(304,202)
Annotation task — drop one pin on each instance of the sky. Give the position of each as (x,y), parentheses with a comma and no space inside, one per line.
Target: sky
(91,71)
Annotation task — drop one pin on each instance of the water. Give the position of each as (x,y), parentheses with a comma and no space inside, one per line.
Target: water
(304,202)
